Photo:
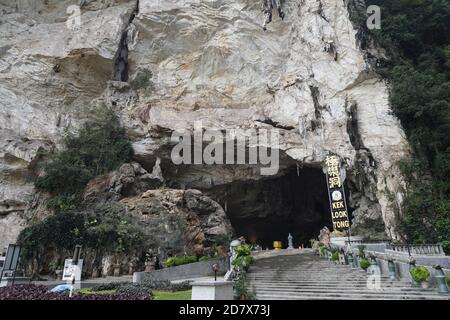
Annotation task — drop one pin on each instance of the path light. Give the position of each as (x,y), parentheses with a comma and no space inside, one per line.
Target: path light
(215,268)
(440,279)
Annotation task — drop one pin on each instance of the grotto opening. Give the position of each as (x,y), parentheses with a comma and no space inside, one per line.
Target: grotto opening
(267,210)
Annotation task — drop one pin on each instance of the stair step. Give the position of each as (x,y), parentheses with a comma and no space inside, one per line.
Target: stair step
(306,276)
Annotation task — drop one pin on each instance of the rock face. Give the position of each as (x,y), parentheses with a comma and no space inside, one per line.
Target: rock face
(189,60)
(180,221)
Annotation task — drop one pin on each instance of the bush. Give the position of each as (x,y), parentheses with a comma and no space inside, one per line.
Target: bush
(105,226)
(34,292)
(420,274)
(322,250)
(335,256)
(99,147)
(243,250)
(364,264)
(447,280)
(206,258)
(243,262)
(178,261)
(416,36)
(362,251)
(241,287)
(134,289)
(145,287)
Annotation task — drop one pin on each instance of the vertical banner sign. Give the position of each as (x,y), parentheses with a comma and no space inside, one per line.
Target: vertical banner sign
(338,205)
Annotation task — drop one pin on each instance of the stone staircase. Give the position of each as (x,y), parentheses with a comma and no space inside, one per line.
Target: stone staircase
(295,275)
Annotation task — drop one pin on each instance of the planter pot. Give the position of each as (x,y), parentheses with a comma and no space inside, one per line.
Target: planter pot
(242,297)
(425,285)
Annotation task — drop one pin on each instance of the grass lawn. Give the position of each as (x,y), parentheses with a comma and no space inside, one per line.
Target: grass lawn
(178,295)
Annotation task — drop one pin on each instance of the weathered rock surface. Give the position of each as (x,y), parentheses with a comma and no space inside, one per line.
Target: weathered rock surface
(196,60)
(179,219)
(129,180)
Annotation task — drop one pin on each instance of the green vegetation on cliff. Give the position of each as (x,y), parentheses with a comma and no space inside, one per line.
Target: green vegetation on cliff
(99,147)
(104,229)
(416,36)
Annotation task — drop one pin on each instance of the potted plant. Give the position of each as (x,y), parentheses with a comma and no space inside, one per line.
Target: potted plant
(364,264)
(421,275)
(335,256)
(241,287)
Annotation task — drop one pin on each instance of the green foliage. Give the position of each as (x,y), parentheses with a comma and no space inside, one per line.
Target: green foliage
(420,274)
(362,251)
(105,228)
(99,147)
(243,259)
(206,258)
(364,263)
(241,287)
(178,261)
(243,262)
(447,280)
(335,256)
(322,250)
(243,250)
(416,35)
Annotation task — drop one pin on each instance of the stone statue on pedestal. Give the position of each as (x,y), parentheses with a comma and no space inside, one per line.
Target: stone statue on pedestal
(290,245)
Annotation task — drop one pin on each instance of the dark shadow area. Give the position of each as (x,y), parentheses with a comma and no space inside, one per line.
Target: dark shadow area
(267,210)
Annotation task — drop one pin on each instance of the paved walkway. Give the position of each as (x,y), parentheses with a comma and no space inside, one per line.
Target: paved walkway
(301,275)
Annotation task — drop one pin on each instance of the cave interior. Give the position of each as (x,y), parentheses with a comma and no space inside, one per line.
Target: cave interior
(267,210)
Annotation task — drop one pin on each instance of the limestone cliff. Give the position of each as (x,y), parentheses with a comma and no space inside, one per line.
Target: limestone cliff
(161,65)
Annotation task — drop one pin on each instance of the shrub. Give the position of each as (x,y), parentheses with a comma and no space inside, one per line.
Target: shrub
(34,292)
(322,250)
(166,285)
(447,280)
(99,147)
(178,261)
(420,274)
(134,289)
(364,264)
(243,262)
(105,226)
(335,256)
(206,258)
(145,287)
(241,287)
(243,250)
(361,251)
(416,36)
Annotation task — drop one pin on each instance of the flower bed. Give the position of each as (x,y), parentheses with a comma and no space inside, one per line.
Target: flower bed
(34,292)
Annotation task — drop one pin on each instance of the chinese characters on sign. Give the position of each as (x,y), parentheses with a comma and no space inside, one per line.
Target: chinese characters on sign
(338,206)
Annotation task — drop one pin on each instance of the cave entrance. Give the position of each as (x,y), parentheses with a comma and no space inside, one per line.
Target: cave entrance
(267,210)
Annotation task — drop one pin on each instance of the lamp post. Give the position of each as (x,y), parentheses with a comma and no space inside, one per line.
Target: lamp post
(215,268)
